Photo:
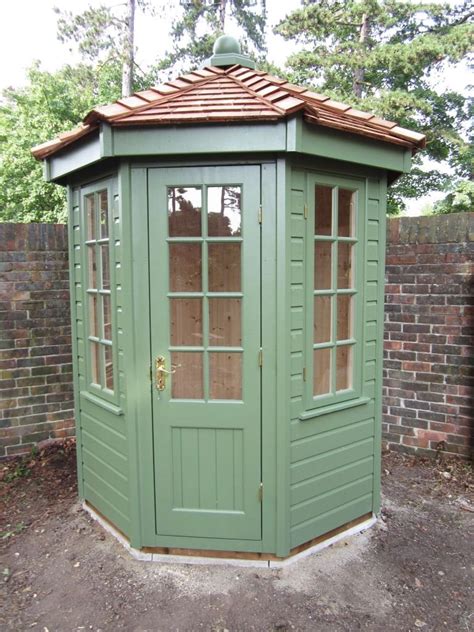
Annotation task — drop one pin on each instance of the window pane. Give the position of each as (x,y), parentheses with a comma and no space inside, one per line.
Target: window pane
(346,213)
(107,315)
(321,371)
(93,326)
(345,254)
(225,322)
(186,321)
(343,367)
(322,265)
(225,375)
(104,214)
(187,381)
(184,211)
(109,367)
(95,371)
(92,265)
(224,217)
(322,319)
(344,316)
(90,214)
(323,211)
(185,267)
(104,253)
(224,268)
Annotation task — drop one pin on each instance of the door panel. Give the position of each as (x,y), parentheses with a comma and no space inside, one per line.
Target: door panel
(204,243)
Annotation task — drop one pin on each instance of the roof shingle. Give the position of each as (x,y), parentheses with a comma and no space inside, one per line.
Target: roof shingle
(237,93)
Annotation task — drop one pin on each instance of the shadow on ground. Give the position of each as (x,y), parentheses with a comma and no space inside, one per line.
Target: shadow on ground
(62,572)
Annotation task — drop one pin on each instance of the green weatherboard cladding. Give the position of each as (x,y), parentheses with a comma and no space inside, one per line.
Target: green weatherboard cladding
(185,471)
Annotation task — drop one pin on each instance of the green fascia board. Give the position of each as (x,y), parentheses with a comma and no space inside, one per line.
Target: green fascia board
(290,136)
(79,155)
(321,141)
(183,140)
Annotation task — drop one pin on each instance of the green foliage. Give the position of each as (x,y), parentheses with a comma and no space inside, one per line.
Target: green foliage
(459,200)
(200,23)
(51,103)
(385,57)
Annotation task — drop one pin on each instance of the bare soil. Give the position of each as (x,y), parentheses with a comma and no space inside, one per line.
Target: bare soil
(414,570)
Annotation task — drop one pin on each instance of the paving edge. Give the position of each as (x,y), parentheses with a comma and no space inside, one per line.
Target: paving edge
(222,561)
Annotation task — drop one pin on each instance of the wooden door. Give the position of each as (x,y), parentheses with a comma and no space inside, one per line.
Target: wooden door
(204,245)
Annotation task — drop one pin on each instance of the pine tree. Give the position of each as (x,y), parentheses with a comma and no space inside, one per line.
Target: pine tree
(386,57)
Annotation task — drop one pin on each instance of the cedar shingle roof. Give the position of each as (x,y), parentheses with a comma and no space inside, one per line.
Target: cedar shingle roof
(218,95)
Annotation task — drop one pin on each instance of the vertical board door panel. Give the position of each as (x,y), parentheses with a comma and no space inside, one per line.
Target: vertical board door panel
(204,248)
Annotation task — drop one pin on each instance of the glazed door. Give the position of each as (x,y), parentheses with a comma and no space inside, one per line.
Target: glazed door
(204,244)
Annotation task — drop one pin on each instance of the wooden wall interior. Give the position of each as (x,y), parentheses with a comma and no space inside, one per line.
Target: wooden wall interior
(333,219)
(223,274)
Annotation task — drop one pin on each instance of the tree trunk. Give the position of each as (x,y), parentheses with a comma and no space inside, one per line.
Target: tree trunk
(359,73)
(222,9)
(128,61)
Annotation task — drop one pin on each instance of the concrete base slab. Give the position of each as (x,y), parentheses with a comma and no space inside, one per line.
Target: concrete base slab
(226,561)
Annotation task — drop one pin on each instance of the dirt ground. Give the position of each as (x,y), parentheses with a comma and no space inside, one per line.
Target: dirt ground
(414,570)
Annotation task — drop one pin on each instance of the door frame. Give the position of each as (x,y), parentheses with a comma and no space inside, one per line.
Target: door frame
(274,458)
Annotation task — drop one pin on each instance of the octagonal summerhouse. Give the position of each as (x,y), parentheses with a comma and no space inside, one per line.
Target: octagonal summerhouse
(227,237)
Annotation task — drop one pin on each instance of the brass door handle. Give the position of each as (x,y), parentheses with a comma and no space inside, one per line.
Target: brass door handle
(161,372)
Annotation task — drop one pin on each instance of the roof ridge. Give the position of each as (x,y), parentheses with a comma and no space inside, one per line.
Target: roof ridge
(268,102)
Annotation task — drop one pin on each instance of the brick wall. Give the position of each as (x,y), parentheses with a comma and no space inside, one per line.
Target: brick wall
(428,375)
(36,401)
(429,313)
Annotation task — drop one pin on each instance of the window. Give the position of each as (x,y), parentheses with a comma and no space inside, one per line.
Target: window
(205,291)
(96,213)
(334,281)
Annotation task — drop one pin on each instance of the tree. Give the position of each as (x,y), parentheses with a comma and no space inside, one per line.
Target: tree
(105,35)
(202,21)
(386,57)
(51,103)
(459,200)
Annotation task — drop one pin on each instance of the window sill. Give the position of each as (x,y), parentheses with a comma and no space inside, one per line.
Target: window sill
(111,408)
(333,408)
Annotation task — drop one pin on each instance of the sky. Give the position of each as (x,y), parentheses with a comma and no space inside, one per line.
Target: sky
(28,33)
(24,40)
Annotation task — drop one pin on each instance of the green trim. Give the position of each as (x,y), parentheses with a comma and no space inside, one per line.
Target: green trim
(115,410)
(199,139)
(71,194)
(292,135)
(100,391)
(334,408)
(329,143)
(82,153)
(379,344)
(139,382)
(357,291)
(106,141)
(230,59)
(282,354)
(269,342)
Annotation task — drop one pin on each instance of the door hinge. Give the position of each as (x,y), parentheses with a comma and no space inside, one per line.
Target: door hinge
(260,214)
(304,374)
(260,357)
(305,211)
(260,493)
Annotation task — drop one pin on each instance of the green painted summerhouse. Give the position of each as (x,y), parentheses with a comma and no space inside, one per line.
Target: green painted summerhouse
(227,237)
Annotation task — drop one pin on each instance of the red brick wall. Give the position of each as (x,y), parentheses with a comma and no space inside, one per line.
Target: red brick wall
(428,335)
(429,309)
(36,400)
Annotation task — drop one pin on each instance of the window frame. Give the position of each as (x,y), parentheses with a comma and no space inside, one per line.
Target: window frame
(99,390)
(313,402)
